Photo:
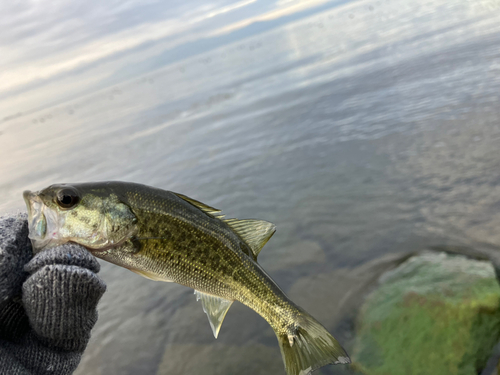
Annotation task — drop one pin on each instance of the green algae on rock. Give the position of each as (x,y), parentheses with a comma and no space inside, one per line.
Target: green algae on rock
(434,314)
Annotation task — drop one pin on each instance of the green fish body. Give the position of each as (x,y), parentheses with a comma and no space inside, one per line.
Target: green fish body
(169,237)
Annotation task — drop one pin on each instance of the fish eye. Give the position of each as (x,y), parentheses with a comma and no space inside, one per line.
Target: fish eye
(67,198)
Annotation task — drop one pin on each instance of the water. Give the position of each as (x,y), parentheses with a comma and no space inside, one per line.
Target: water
(362,129)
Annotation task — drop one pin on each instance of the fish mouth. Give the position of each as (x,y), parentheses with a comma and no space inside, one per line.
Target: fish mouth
(42,222)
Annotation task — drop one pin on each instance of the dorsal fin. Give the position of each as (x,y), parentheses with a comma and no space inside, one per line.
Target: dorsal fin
(215,308)
(214,212)
(254,232)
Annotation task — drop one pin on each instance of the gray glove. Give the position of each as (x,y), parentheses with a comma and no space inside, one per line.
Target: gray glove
(47,304)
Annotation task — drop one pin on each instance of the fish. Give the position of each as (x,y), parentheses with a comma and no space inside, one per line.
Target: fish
(169,237)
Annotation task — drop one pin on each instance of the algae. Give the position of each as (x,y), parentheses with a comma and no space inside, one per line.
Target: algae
(434,314)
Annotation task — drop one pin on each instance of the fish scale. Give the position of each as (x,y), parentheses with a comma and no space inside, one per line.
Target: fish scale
(166,236)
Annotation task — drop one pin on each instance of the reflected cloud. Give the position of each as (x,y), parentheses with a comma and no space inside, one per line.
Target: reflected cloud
(51,43)
(20,70)
(282,9)
(227,9)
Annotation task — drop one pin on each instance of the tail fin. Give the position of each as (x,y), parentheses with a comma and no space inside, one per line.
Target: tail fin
(310,348)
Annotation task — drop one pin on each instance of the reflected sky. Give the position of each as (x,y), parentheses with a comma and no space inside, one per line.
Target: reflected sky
(61,49)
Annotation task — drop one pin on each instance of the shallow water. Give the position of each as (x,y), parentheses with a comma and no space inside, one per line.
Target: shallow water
(361,129)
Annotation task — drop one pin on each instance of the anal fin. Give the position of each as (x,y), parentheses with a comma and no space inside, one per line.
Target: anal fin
(215,308)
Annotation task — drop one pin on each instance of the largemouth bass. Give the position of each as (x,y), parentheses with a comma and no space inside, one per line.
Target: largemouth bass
(169,237)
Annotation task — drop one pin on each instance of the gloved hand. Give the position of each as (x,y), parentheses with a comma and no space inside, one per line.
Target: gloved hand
(47,303)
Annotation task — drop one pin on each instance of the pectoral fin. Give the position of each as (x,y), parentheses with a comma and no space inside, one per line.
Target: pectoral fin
(215,308)
(151,276)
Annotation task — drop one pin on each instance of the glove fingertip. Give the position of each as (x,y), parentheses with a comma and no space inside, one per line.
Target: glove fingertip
(68,254)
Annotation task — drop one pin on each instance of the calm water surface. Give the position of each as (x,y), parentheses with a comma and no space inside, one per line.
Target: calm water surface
(362,129)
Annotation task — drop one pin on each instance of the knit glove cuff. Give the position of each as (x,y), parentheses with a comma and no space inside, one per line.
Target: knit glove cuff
(15,251)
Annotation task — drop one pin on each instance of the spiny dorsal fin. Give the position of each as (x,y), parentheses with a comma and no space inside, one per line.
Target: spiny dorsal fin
(254,232)
(214,212)
(215,308)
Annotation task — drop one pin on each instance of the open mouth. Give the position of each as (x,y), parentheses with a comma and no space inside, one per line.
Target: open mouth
(39,221)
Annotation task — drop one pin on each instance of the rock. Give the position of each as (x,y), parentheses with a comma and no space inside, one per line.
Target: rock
(433,314)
